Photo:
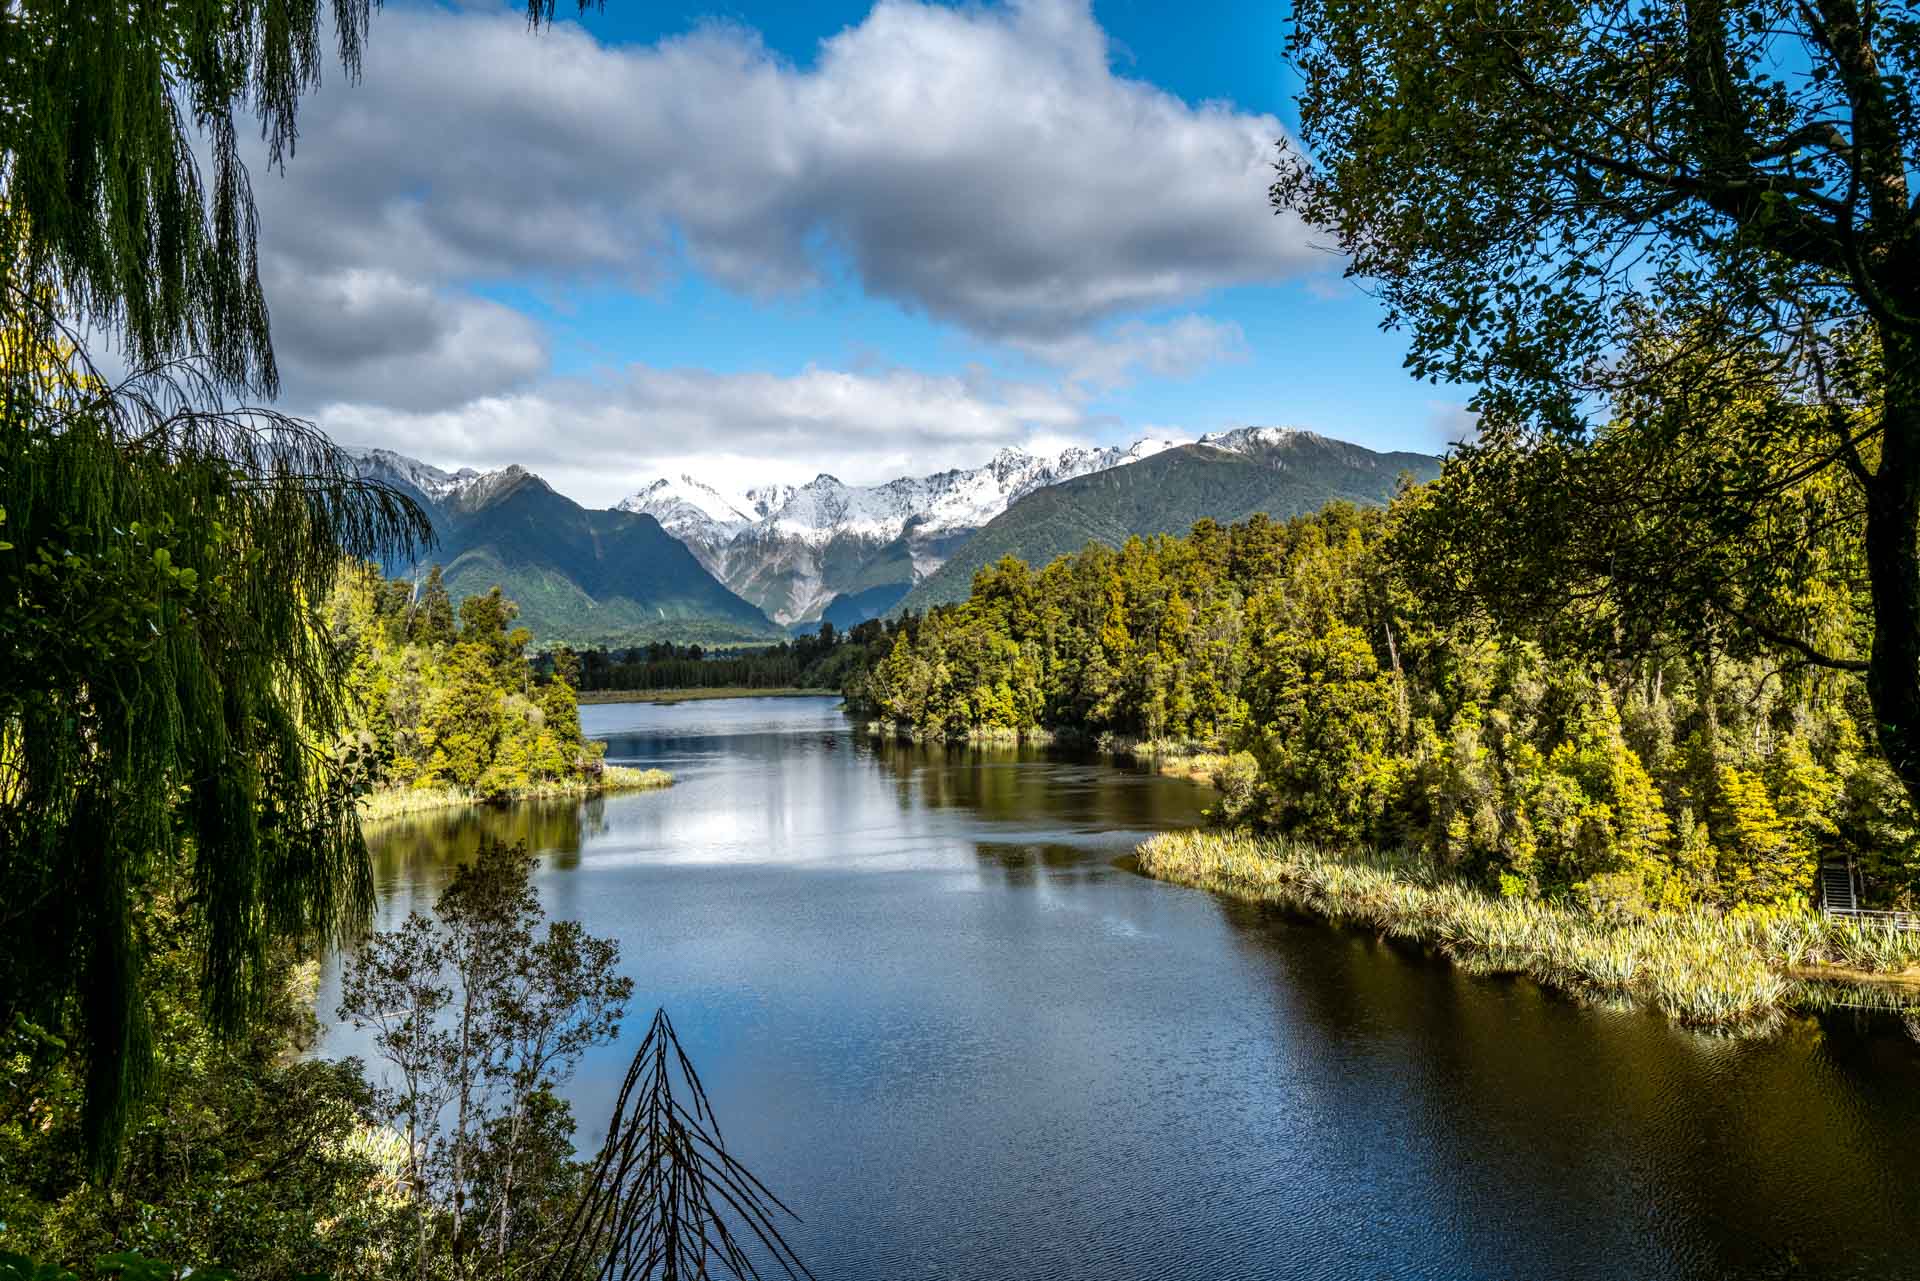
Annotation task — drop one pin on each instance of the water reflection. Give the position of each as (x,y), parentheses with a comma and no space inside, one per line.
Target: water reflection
(963,1043)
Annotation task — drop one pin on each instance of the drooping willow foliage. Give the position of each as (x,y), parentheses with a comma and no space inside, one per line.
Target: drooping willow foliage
(665,1198)
(102,202)
(164,693)
(159,550)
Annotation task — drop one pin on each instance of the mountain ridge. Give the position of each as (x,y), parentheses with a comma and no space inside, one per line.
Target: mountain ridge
(581,576)
(683,559)
(1224,476)
(793,550)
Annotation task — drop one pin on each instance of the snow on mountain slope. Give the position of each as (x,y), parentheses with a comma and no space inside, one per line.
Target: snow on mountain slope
(825,507)
(691,510)
(1242,440)
(428,479)
(792,549)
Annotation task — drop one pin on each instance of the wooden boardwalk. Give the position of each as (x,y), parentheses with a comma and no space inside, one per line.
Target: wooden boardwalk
(1840,897)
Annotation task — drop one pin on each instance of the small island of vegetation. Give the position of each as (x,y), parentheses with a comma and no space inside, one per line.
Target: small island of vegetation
(444,713)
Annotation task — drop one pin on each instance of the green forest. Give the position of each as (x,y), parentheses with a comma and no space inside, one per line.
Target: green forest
(1362,716)
(449,710)
(823,659)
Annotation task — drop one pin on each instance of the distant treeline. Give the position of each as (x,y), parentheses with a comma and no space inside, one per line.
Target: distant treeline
(821,661)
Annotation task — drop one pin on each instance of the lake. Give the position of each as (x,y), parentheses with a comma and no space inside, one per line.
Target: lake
(961,1041)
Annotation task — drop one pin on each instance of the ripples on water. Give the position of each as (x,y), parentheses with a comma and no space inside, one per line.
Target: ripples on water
(962,1043)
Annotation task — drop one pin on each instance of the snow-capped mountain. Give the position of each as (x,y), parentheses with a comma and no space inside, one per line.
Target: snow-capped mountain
(579,576)
(827,549)
(463,490)
(793,549)
(428,479)
(1242,440)
(693,512)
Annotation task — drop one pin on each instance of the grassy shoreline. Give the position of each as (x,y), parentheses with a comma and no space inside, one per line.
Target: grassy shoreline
(1732,973)
(902,731)
(405,802)
(1199,762)
(670,696)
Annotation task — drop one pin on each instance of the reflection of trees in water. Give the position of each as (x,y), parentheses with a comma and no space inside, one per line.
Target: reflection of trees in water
(1025,783)
(418,851)
(1026,864)
(1793,1143)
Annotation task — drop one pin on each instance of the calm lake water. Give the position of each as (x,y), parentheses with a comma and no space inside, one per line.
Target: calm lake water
(960,1042)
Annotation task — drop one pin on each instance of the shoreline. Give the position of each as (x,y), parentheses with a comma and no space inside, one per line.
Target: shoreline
(1195,760)
(672,696)
(1735,974)
(381,807)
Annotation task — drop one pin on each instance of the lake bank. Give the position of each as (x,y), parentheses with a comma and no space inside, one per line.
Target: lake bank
(1196,761)
(671,696)
(1732,973)
(407,802)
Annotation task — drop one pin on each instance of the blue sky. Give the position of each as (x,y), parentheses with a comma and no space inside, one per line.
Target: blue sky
(761,241)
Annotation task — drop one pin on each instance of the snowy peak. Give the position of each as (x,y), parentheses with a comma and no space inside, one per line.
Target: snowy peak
(791,548)
(688,508)
(1250,440)
(477,489)
(963,498)
(464,490)
(425,477)
(767,499)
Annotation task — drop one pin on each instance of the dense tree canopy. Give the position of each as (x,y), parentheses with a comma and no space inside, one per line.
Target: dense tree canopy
(1676,247)
(1358,714)
(431,706)
(162,692)
(164,687)
(820,660)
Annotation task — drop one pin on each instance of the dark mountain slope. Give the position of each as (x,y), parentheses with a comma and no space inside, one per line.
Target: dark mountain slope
(580,577)
(1279,474)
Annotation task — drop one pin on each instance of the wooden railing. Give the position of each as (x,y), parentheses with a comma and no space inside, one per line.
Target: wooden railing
(1888,920)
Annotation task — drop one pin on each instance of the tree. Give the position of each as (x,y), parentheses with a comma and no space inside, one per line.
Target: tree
(1561,202)
(482,1011)
(463,724)
(487,916)
(433,615)
(396,985)
(248,1157)
(487,622)
(163,677)
(162,552)
(565,995)
(1322,711)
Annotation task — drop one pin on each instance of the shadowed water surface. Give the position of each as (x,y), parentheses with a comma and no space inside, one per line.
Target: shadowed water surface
(960,1042)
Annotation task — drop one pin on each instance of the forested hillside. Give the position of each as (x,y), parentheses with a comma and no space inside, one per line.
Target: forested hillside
(1366,720)
(1225,478)
(823,659)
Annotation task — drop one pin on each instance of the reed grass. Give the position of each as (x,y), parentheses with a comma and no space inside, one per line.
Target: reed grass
(1194,760)
(998,735)
(401,802)
(1704,969)
(698,694)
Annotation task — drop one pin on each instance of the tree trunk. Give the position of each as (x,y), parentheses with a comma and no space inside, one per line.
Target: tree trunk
(1893,565)
(506,1182)
(465,1071)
